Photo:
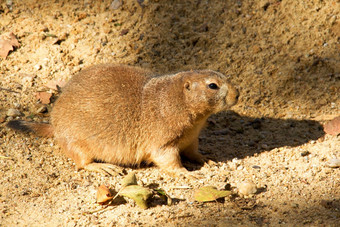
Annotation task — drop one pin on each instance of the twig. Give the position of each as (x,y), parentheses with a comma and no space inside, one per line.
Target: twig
(9,90)
(1,156)
(101,209)
(181,187)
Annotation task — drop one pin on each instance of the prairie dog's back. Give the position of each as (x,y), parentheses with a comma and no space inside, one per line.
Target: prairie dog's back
(93,102)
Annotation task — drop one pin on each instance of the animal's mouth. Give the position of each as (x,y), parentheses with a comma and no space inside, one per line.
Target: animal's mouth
(232,102)
(232,97)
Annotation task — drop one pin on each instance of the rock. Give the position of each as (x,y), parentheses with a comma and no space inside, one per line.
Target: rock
(13,113)
(9,4)
(247,188)
(17,105)
(37,67)
(333,127)
(115,4)
(256,167)
(124,32)
(27,78)
(304,153)
(333,163)
(236,160)
(332,20)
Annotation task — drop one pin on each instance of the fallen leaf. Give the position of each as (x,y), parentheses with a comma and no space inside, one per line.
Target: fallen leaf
(103,195)
(209,193)
(44,97)
(164,196)
(333,127)
(138,193)
(130,179)
(7,43)
(55,84)
(124,32)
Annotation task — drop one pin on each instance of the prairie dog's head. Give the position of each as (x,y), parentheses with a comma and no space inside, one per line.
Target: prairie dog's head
(207,91)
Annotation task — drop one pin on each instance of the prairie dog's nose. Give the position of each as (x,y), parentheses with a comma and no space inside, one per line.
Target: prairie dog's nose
(233,95)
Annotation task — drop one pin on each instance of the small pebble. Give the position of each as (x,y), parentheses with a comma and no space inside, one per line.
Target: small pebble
(37,67)
(247,188)
(236,160)
(16,105)
(305,153)
(13,113)
(115,4)
(9,4)
(256,167)
(333,20)
(295,205)
(333,163)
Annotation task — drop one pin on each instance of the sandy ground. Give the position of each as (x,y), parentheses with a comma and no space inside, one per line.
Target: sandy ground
(282,55)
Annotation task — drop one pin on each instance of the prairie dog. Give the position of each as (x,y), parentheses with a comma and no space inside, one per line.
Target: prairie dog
(126,115)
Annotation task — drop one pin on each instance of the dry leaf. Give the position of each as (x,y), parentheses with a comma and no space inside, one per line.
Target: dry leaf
(54,84)
(7,43)
(333,127)
(130,179)
(209,193)
(103,195)
(138,193)
(44,97)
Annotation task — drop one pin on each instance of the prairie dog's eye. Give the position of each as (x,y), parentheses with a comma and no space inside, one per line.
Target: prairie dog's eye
(213,86)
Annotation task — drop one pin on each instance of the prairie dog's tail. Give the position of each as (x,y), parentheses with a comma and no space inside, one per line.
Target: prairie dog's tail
(41,129)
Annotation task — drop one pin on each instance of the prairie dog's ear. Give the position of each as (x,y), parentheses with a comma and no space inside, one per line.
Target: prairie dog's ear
(187,85)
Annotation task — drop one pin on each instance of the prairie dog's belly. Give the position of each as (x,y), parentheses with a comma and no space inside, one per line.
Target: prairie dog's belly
(116,153)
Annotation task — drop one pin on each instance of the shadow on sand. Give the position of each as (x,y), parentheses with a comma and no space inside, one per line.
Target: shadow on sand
(229,135)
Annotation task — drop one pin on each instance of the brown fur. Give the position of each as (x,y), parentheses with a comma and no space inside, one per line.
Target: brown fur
(126,115)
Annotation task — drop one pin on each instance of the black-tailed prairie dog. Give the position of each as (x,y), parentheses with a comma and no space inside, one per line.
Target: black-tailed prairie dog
(125,115)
